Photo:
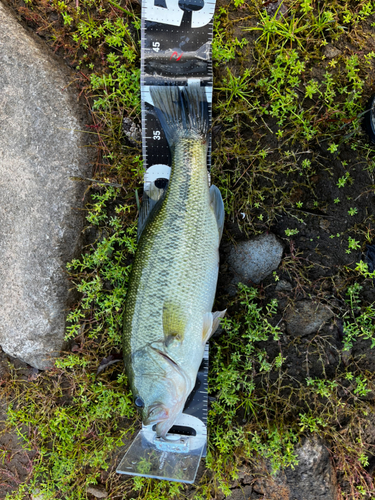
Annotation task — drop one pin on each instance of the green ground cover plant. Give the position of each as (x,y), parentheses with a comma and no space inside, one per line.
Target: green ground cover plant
(285,112)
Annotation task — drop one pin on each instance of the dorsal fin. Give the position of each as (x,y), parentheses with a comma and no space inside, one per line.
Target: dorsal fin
(218,208)
(149,207)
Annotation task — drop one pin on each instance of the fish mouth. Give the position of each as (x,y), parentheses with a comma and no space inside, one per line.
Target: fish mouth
(163,427)
(164,418)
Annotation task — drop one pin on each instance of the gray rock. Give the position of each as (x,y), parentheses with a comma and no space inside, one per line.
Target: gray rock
(306,317)
(276,7)
(97,492)
(331,51)
(255,259)
(283,286)
(314,477)
(37,495)
(271,487)
(41,147)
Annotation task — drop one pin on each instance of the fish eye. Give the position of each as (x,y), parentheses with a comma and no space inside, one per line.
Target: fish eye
(139,402)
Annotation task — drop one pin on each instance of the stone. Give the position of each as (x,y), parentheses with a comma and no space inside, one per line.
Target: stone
(242,493)
(272,488)
(37,495)
(97,492)
(42,146)
(330,51)
(314,477)
(276,8)
(255,259)
(306,317)
(283,286)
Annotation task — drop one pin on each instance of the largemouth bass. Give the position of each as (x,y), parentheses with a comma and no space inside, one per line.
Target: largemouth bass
(168,317)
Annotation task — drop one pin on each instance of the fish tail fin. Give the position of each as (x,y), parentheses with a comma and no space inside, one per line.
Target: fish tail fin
(182,113)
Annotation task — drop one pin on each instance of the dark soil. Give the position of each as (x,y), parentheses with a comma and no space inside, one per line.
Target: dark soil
(316,265)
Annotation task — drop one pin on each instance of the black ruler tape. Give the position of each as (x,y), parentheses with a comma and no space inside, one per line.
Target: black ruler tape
(176,49)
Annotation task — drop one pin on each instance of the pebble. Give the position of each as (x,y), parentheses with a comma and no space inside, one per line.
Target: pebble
(330,51)
(97,492)
(306,317)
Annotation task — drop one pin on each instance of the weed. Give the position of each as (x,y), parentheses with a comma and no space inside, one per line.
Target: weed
(352,244)
(358,323)
(291,232)
(282,87)
(353,211)
(101,276)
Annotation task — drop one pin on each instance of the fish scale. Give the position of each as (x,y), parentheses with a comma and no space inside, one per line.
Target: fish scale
(173,247)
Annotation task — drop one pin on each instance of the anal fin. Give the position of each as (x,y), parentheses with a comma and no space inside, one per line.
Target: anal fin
(211,322)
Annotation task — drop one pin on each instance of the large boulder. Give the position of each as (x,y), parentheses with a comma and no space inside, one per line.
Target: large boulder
(313,478)
(42,147)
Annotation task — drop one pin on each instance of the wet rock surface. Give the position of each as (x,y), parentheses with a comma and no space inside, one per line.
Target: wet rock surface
(41,148)
(255,259)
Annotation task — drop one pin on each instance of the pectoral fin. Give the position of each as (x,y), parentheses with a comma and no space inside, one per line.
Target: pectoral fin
(218,208)
(210,323)
(174,323)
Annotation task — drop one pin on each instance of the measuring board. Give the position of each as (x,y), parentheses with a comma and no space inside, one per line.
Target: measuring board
(175,50)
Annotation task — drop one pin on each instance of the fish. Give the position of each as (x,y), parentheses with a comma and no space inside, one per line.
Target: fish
(168,314)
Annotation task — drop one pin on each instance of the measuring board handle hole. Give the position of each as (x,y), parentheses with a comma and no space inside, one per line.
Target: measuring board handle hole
(180,429)
(161,183)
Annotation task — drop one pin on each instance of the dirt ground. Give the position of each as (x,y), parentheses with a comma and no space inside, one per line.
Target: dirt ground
(315,264)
